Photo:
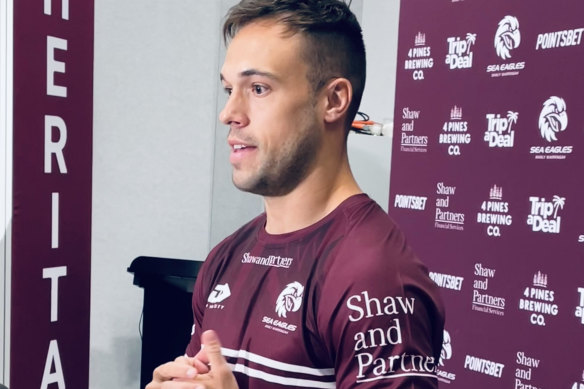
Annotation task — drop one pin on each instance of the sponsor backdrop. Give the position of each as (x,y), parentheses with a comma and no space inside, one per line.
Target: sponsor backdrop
(51,231)
(487,182)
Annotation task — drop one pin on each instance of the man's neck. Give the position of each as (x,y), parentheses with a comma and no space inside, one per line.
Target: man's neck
(314,198)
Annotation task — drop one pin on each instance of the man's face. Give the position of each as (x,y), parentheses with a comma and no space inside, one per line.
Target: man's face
(274,130)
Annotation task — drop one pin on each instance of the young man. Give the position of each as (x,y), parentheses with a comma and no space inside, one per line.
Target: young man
(321,290)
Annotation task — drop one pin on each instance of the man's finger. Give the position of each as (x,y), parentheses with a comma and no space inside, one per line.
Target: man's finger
(213,348)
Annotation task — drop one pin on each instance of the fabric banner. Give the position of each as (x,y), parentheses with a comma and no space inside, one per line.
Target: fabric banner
(487,183)
(51,231)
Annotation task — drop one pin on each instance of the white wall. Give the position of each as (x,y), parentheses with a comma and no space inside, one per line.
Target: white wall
(5,182)
(370,156)
(154,120)
(161,177)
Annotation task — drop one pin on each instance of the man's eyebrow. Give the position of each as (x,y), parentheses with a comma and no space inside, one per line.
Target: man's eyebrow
(253,72)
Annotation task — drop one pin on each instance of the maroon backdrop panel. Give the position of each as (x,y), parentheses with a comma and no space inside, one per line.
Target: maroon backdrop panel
(53,89)
(487,182)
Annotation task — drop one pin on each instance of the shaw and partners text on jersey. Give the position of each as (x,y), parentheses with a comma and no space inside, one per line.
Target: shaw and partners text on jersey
(367,343)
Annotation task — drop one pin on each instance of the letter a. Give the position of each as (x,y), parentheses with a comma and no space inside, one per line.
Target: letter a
(53,357)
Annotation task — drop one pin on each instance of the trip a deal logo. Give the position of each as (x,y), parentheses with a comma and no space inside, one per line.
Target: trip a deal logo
(507,39)
(544,215)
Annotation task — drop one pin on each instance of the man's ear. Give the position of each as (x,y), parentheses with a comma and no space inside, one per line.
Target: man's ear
(338,93)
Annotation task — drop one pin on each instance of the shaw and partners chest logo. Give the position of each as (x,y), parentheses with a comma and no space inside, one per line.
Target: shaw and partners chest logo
(507,39)
(289,300)
(271,260)
(544,214)
(553,120)
(374,347)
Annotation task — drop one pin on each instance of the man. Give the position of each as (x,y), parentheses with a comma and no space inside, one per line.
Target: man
(321,290)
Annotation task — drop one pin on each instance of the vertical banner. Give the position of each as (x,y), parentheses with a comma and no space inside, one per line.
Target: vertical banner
(487,183)
(51,232)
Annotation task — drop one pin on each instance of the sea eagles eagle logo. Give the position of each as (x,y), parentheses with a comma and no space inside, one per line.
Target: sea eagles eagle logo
(553,118)
(507,37)
(290,299)
(446,352)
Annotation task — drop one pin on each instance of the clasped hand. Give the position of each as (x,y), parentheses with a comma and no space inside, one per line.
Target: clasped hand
(206,370)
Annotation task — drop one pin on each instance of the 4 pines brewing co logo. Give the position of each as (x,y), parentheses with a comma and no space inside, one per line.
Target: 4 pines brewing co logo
(539,300)
(419,57)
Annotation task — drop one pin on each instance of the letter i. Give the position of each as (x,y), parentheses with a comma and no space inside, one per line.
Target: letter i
(55,220)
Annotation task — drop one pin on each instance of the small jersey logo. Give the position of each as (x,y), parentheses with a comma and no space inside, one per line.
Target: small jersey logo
(553,118)
(220,293)
(446,352)
(290,299)
(507,37)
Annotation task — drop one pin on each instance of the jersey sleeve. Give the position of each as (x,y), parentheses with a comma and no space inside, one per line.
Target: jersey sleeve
(199,300)
(380,316)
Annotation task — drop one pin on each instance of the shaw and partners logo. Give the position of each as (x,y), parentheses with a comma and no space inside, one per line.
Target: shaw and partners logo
(553,120)
(544,214)
(459,51)
(507,39)
(410,142)
(375,357)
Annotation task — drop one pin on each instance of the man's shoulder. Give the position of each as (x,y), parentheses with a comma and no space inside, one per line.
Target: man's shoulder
(244,233)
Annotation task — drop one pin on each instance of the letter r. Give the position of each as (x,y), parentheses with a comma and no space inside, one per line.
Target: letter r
(55,147)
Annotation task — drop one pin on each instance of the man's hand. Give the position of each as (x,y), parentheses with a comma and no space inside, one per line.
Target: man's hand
(220,375)
(177,373)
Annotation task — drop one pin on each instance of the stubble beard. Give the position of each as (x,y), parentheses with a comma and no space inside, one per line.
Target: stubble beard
(281,173)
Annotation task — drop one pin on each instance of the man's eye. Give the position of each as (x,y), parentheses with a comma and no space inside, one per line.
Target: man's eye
(227,91)
(259,89)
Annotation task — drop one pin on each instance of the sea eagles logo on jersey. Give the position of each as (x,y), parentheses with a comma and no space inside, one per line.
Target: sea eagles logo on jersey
(220,293)
(290,299)
(553,118)
(446,352)
(507,37)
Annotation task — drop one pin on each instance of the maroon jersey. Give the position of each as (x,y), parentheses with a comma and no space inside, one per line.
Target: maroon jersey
(343,303)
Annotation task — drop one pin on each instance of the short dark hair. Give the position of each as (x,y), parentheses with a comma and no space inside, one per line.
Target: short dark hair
(334,41)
